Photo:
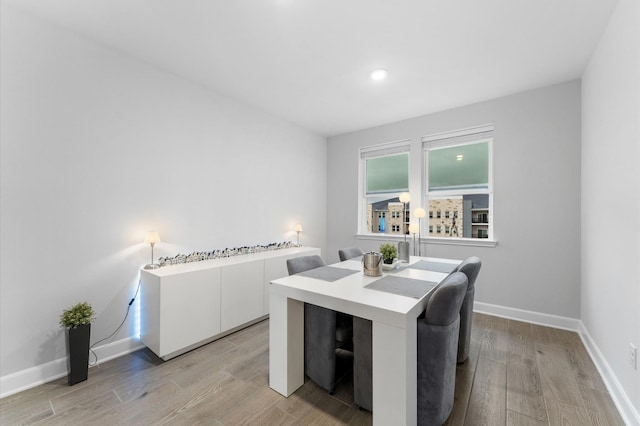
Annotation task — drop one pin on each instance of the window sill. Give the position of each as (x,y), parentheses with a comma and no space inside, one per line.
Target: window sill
(475,242)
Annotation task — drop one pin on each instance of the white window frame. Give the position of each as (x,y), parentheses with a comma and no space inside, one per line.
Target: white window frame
(375,151)
(472,135)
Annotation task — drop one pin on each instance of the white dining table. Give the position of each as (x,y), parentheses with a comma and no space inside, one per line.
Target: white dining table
(394,328)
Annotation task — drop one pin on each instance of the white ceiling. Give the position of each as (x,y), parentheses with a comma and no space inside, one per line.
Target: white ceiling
(308,61)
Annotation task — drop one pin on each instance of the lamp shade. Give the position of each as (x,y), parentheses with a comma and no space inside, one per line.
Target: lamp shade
(419,212)
(414,228)
(405,197)
(152,237)
(297,227)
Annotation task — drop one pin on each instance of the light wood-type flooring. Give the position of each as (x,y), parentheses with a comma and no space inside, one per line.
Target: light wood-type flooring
(517,374)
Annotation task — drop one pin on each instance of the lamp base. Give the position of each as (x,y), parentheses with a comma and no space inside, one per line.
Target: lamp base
(403,251)
(151,266)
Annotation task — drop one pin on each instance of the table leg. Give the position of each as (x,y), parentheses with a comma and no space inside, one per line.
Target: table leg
(394,374)
(286,344)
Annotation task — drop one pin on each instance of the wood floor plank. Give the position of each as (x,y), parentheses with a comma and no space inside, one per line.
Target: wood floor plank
(569,415)
(495,344)
(271,416)
(356,417)
(517,419)
(199,404)
(327,410)
(553,336)
(148,401)
(583,368)
(255,407)
(204,371)
(557,382)
(521,342)
(604,406)
(246,336)
(524,389)
(72,409)
(303,400)
(487,403)
(251,364)
(25,412)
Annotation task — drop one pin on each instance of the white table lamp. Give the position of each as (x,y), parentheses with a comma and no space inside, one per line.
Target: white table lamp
(298,229)
(152,238)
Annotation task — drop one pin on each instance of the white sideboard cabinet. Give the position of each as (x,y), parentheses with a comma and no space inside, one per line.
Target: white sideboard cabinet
(188,305)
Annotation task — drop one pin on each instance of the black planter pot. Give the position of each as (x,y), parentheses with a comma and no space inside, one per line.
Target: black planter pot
(388,261)
(78,361)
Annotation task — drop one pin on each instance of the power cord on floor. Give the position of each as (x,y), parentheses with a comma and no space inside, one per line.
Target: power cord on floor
(119,327)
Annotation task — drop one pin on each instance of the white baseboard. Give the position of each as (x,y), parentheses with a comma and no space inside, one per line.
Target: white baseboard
(548,320)
(32,377)
(626,409)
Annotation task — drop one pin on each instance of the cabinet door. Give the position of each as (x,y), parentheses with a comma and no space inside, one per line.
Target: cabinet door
(242,293)
(190,309)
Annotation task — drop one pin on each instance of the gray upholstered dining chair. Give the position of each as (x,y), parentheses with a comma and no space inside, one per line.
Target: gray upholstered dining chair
(325,331)
(470,267)
(438,336)
(349,253)
(304,263)
(438,332)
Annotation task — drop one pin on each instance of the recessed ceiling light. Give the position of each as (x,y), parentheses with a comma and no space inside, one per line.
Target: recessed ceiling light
(379,74)
(459,157)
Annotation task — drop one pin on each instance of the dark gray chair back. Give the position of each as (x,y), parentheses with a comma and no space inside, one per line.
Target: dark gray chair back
(349,253)
(362,363)
(304,263)
(325,331)
(441,309)
(437,350)
(471,268)
(450,294)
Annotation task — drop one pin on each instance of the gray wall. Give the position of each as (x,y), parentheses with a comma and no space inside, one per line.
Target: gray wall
(536,264)
(611,196)
(98,148)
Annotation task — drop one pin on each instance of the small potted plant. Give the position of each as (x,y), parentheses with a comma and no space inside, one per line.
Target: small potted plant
(389,253)
(77,321)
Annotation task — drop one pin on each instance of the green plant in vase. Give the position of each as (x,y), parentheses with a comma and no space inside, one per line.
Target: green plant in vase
(77,315)
(389,252)
(77,321)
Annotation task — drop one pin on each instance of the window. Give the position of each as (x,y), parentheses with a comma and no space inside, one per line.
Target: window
(458,179)
(384,175)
